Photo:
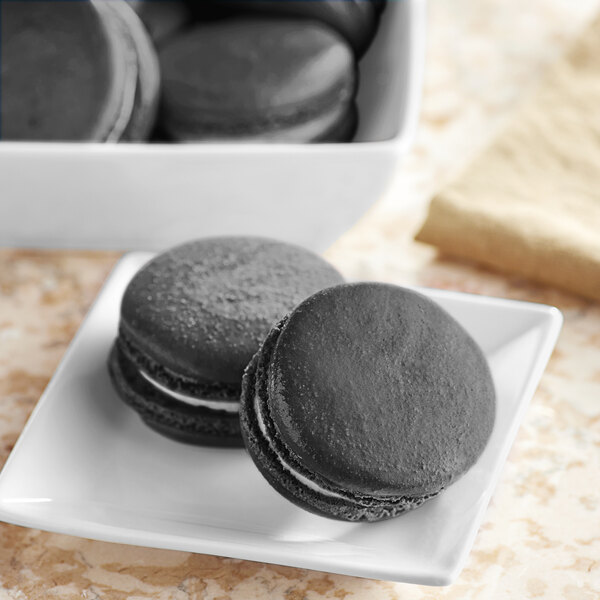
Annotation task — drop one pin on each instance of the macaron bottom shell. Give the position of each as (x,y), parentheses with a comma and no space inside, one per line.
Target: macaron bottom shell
(337,125)
(277,464)
(176,420)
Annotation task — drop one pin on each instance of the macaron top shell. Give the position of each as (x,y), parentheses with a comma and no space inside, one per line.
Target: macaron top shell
(202,309)
(58,79)
(356,20)
(272,65)
(376,389)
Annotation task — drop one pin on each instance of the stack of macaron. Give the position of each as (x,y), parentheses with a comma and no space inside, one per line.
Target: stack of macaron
(283,71)
(258,79)
(183,71)
(356,401)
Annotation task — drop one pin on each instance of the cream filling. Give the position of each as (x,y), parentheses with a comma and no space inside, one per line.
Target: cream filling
(298,476)
(225,406)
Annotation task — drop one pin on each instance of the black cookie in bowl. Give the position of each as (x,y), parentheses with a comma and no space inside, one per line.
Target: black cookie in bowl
(258,79)
(192,318)
(365,402)
(76,71)
(355,20)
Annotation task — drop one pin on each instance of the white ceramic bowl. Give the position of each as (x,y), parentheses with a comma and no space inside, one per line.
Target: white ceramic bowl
(156,195)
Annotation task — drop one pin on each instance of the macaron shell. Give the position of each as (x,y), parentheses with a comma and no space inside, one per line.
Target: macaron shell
(333,508)
(203,308)
(69,91)
(147,89)
(356,20)
(181,422)
(338,125)
(194,387)
(273,75)
(345,129)
(379,390)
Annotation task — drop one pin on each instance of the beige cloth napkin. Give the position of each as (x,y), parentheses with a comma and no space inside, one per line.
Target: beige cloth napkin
(530,204)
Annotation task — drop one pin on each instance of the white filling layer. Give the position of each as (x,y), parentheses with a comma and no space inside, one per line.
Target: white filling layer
(225,406)
(298,476)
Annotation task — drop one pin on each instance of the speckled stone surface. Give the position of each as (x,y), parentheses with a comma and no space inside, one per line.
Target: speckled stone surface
(541,534)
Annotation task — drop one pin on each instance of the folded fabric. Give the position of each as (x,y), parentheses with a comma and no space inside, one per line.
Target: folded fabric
(530,204)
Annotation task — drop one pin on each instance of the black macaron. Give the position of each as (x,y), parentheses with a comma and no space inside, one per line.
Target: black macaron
(76,71)
(258,79)
(60,74)
(366,401)
(192,318)
(355,20)
(140,55)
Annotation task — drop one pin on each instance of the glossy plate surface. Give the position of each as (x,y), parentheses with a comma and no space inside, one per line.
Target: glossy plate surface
(86,465)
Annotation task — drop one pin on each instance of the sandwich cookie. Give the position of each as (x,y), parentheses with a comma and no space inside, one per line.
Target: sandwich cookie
(192,318)
(61,76)
(365,402)
(355,20)
(258,79)
(73,71)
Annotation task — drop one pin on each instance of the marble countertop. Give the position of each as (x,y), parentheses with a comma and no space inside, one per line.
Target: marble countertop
(541,534)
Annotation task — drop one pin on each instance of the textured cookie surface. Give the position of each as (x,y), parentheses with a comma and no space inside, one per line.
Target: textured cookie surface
(294,77)
(378,390)
(203,308)
(278,464)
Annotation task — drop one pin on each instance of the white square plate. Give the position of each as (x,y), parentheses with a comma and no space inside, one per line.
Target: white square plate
(86,465)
